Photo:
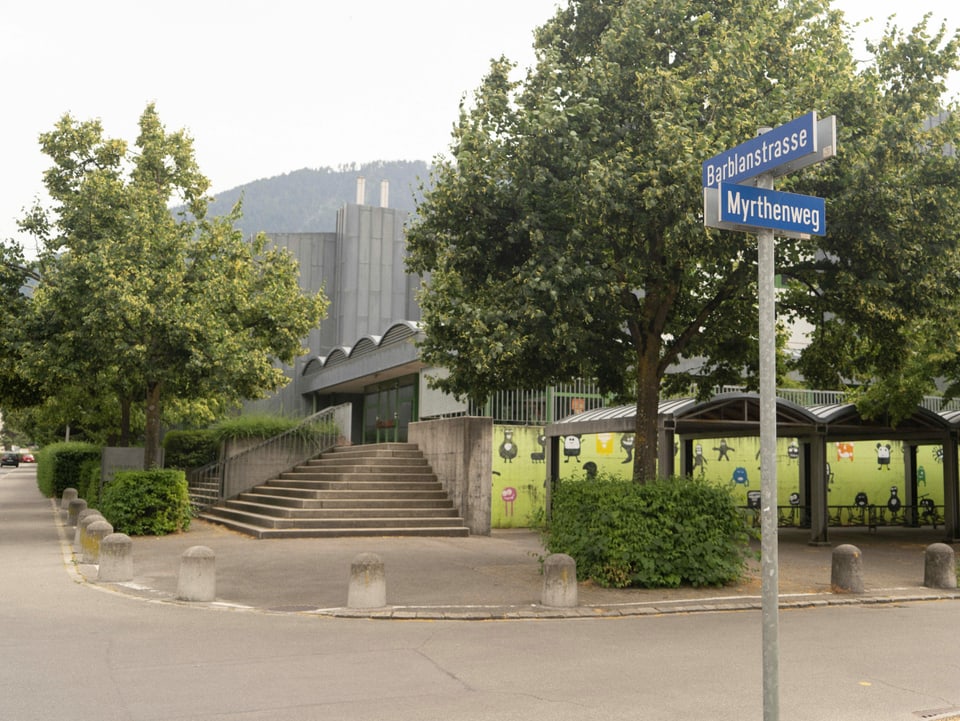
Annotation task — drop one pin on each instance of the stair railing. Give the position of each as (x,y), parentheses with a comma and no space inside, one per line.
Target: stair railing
(264,461)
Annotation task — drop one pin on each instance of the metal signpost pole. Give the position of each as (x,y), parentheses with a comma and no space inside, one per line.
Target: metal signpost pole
(769,561)
(732,202)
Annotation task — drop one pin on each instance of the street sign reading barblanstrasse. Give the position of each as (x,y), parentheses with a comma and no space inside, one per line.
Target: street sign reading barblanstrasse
(764,153)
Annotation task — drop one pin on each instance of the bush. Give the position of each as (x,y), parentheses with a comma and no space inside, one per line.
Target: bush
(89,488)
(189,449)
(141,503)
(60,466)
(252,426)
(660,534)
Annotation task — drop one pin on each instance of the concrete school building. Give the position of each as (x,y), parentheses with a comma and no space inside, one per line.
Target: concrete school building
(364,352)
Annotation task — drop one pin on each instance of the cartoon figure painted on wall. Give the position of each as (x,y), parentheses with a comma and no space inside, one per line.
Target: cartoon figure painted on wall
(793,452)
(893,503)
(883,456)
(699,461)
(921,476)
(723,449)
(626,443)
(740,476)
(591,468)
(604,444)
(508,495)
(508,449)
(571,448)
(845,450)
(538,456)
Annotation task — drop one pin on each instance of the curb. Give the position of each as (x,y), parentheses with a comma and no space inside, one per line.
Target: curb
(86,574)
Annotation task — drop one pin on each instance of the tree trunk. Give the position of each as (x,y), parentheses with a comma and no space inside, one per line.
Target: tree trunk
(151,451)
(124,441)
(648,406)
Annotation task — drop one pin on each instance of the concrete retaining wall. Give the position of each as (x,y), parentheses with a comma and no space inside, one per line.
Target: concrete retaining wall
(460,451)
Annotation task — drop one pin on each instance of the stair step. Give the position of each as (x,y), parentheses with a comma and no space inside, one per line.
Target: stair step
(352,500)
(393,486)
(264,533)
(334,493)
(360,462)
(332,522)
(356,511)
(372,475)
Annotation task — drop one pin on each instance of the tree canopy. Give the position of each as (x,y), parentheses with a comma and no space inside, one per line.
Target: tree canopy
(148,308)
(564,235)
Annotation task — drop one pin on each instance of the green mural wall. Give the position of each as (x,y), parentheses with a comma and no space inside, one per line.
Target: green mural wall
(871,467)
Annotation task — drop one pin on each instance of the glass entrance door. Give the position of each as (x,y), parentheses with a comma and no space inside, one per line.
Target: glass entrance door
(388,409)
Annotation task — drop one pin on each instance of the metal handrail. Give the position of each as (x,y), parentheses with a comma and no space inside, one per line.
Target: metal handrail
(238,473)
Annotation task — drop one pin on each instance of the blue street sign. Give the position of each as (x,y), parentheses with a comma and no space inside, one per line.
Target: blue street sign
(773,152)
(744,207)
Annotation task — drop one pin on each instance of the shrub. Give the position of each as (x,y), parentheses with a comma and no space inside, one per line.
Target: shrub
(153,502)
(89,488)
(660,534)
(189,449)
(60,466)
(252,426)
(262,427)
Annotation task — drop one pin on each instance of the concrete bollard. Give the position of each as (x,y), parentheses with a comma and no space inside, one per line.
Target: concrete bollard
(84,519)
(939,566)
(96,532)
(846,574)
(559,581)
(68,495)
(368,582)
(116,558)
(73,509)
(198,575)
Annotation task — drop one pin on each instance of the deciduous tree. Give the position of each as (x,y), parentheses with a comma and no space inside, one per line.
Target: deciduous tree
(564,235)
(149,307)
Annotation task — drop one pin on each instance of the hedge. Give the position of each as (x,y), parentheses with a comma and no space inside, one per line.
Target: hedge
(61,466)
(189,449)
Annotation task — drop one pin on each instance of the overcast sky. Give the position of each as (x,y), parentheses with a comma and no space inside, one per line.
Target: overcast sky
(266,88)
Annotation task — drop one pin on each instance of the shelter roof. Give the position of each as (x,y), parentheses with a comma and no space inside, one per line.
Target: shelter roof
(738,414)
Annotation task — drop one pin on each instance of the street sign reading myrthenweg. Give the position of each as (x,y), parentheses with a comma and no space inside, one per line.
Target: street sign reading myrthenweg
(731,202)
(743,207)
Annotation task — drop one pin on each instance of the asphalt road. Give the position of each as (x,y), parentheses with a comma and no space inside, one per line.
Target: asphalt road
(71,651)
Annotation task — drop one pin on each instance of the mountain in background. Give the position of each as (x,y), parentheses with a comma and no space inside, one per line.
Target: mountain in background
(307,200)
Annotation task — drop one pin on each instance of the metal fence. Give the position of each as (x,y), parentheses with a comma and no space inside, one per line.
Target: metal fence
(540,406)
(548,405)
(229,477)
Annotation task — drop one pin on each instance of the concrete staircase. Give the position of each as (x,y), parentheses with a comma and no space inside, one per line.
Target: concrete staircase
(384,489)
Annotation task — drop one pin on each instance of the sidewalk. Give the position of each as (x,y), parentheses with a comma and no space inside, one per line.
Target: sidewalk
(498,576)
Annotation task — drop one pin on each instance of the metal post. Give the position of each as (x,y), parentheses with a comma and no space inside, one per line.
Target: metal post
(769,564)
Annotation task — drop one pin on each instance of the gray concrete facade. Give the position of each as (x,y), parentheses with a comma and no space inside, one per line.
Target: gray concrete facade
(361,269)
(458,450)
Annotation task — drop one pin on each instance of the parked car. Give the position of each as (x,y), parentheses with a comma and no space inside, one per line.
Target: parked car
(27,457)
(10,458)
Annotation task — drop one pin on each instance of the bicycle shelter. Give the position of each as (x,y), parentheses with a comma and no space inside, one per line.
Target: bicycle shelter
(738,415)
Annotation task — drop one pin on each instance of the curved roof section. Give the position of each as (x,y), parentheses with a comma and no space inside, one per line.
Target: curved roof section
(399,332)
(732,414)
(843,419)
